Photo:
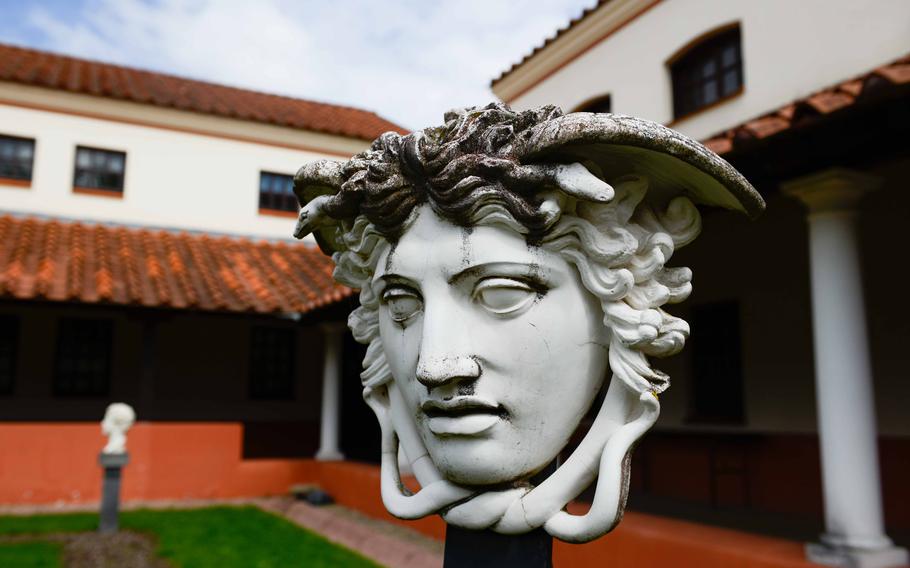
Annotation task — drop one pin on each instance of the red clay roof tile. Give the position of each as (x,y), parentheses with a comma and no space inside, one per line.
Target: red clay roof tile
(848,93)
(50,70)
(68,261)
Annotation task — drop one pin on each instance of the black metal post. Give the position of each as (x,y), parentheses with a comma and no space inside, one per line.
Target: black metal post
(487,549)
(110,490)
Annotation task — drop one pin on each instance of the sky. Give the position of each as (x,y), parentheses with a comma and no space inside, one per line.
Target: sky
(407,60)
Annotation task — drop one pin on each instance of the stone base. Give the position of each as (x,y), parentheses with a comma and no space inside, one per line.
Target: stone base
(113,460)
(330,455)
(892,557)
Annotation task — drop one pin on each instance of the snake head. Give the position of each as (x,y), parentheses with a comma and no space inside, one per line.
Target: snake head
(311,216)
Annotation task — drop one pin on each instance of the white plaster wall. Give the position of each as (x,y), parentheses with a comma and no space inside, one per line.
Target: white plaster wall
(173,179)
(790,49)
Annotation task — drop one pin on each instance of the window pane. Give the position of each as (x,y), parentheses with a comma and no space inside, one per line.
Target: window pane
(706,73)
(99,169)
(115,163)
(276,192)
(709,92)
(729,57)
(82,367)
(731,82)
(83,158)
(708,68)
(272,353)
(16,156)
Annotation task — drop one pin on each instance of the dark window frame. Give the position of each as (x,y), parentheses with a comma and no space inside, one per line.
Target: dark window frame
(717,394)
(84,356)
(100,177)
(273,362)
(707,72)
(275,198)
(10,331)
(9,165)
(600,104)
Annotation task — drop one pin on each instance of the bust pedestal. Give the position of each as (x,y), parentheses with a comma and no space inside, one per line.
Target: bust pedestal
(110,490)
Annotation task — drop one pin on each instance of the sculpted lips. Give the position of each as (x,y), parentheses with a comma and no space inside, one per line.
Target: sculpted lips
(461,416)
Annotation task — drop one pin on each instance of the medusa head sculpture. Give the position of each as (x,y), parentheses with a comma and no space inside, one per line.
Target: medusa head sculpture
(511,266)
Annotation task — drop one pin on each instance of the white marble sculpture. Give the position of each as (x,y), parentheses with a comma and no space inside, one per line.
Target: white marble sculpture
(118,419)
(506,263)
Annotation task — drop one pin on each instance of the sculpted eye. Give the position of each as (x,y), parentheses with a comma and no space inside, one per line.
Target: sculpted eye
(402,303)
(504,295)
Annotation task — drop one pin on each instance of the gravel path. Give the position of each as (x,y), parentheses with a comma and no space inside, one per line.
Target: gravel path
(385,543)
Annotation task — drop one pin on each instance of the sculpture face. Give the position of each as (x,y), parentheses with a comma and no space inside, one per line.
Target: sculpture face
(496,347)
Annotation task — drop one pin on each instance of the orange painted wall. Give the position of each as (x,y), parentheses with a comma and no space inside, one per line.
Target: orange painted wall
(45,463)
(49,463)
(648,541)
(356,485)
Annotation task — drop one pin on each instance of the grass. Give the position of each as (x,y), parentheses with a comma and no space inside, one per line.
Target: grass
(30,555)
(222,537)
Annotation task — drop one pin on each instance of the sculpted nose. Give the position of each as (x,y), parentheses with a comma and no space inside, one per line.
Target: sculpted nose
(445,354)
(438,370)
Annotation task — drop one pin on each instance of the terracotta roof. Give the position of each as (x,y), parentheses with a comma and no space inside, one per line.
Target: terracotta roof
(559,32)
(66,261)
(54,71)
(868,87)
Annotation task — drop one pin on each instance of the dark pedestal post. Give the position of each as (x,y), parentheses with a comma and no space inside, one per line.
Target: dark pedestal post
(487,549)
(110,490)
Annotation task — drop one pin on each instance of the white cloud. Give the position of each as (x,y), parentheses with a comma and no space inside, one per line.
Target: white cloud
(409,60)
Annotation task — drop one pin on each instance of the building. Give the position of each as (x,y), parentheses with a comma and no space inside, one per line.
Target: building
(809,101)
(787,412)
(145,257)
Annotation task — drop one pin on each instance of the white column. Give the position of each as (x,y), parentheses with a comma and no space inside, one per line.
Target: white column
(854,523)
(331,394)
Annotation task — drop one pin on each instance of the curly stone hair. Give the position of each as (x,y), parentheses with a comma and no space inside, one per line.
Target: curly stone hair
(457,169)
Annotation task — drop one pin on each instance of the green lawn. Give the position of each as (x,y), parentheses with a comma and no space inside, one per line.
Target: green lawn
(30,555)
(222,537)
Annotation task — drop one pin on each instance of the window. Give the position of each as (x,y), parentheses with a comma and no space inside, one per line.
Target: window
(83,364)
(16,158)
(9,342)
(707,73)
(599,104)
(99,170)
(276,192)
(272,362)
(717,394)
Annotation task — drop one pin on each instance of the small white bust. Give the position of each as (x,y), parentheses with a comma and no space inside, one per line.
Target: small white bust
(118,418)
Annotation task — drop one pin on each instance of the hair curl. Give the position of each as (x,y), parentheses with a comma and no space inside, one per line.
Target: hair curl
(457,168)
